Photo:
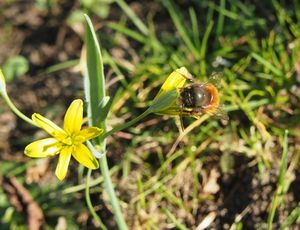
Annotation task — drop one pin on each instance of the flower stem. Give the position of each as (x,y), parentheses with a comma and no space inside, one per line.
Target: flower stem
(111,193)
(126,125)
(16,111)
(89,203)
(105,172)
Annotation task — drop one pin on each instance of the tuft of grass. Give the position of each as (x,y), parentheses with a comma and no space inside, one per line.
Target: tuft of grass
(281,185)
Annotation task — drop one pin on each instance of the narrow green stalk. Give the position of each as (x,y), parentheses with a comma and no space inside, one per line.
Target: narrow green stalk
(159,104)
(89,203)
(126,125)
(111,193)
(105,172)
(16,111)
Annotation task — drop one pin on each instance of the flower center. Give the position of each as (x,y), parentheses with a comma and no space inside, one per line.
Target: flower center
(72,140)
(68,141)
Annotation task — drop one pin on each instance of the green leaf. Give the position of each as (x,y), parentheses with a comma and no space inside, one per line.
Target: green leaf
(14,67)
(104,107)
(94,79)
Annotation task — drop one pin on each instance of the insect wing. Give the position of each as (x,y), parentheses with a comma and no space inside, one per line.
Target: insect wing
(215,79)
(219,112)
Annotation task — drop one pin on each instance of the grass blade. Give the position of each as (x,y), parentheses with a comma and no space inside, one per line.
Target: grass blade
(281,183)
(267,64)
(293,217)
(175,15)
(220,22)
(174,220)
(204,48)
(61,66)
(128,32)
(134,18)
(195,27)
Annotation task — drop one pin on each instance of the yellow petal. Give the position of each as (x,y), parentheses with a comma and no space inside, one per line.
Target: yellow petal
(175,80)
(48,126)
(89,133)
(73,117)
(63,163)
(84,156)
(43,148)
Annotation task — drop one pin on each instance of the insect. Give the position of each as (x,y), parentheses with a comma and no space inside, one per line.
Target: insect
(199,98)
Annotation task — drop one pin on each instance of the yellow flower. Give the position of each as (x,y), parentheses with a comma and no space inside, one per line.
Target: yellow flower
(66,142)
(166,101)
